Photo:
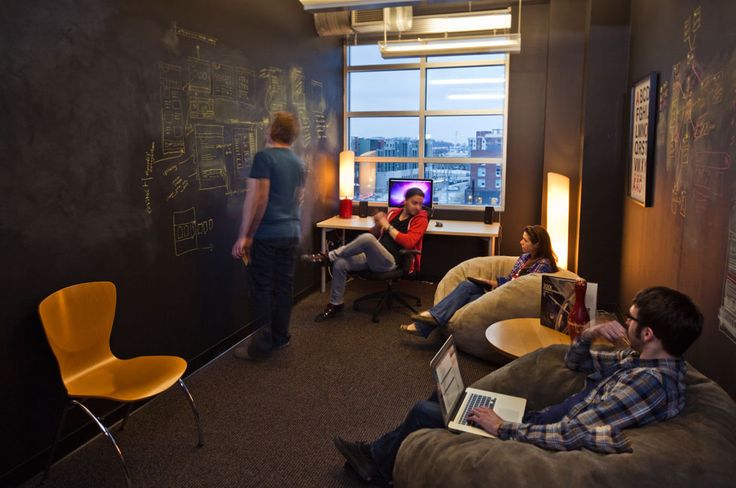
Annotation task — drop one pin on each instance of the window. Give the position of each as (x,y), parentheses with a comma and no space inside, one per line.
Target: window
(440,117)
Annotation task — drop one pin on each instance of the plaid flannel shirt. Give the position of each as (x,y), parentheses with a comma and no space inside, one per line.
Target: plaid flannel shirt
(630,392)
(541,266)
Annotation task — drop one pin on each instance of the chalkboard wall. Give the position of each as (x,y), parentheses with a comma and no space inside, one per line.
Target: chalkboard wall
(126,134)
(687,239)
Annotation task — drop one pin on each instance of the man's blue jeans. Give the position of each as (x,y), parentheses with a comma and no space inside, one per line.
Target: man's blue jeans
(363,252)
(463,294)
(423,415)
(271,282)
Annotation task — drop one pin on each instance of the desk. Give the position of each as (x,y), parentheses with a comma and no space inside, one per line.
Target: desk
(449,228)
(516,337)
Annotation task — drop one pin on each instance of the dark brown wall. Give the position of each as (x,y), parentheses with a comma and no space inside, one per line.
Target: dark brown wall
(602,171)
(563,115)
(81,104)
(682,241)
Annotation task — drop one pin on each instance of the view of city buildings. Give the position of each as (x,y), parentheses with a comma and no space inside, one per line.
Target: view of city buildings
(454,183)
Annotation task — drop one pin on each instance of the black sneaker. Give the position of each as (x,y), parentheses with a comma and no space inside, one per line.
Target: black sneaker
(244,352)
(359,458)
(319,258)
(329,312)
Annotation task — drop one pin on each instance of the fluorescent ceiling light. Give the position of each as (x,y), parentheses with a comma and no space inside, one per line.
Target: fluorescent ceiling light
(349,4)
(467,81)
(444,46)
(465,22)
(475,96)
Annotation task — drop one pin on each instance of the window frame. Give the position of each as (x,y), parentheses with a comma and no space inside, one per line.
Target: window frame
(422,113)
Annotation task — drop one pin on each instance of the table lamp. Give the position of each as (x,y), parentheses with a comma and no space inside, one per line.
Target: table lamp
(558,214)
(347,183)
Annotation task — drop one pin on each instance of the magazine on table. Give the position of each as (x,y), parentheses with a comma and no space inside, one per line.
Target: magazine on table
(558,297)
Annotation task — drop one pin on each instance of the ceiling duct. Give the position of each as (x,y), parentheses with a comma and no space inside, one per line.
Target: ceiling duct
(367,21)
(333,23)
(392,19)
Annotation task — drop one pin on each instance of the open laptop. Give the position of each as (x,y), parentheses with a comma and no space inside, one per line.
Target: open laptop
(457,401)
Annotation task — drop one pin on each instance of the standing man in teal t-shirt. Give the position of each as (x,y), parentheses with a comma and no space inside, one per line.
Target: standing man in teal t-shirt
(269,236)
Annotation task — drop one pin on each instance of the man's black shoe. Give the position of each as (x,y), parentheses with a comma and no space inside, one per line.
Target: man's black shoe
(319,258)
(329,312)
(359,458)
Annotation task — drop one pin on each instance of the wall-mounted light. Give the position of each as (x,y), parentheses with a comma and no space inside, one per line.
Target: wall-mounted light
(347,183)
(558,215)
(310,5)
(463,22)
(509,43)
(490,22)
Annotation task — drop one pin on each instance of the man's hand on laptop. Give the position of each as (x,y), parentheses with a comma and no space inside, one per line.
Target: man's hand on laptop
(486,419)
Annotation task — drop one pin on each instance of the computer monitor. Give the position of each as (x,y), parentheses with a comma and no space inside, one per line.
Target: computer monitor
(397,188)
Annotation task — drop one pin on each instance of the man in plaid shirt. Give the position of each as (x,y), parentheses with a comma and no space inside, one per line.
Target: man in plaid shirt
(625,389)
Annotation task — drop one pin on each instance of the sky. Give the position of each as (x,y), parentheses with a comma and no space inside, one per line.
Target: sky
(481,87)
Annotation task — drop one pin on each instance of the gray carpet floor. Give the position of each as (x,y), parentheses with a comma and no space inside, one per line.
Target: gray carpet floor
(271,424)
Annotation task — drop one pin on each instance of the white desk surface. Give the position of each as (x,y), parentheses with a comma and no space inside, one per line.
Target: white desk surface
(449,227)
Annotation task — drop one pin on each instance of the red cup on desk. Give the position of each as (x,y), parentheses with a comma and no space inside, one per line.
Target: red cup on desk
(346,208)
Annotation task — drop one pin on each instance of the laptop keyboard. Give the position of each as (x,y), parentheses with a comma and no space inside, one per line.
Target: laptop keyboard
(473,402)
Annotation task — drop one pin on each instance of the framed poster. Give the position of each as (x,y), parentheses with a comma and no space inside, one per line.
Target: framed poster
(642,132)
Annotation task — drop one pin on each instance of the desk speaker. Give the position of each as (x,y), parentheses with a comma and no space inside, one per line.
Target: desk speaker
(488,215)
(363,209)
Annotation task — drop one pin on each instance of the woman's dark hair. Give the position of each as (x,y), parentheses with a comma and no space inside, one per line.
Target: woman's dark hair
(538,235)
(284,128)
(412,192)
(673,317)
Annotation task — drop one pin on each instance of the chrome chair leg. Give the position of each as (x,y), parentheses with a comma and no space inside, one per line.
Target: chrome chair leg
(110,437)
(200,442)
(127,413)
(56,443)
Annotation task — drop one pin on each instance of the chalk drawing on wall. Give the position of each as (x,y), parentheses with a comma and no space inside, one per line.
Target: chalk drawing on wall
(172,108)
(274,94)
(245,85)
(223,81)
(245,144)
(299,102)
(200,76)
(318,110)
(188,231)
(692,104)
(209,148)
(189,34)
(727,312)
(215,113)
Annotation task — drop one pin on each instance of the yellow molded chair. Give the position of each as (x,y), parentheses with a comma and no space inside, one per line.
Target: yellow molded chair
(78,322)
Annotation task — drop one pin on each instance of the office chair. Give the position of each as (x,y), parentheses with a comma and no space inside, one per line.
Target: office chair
(388,295)
(78,322)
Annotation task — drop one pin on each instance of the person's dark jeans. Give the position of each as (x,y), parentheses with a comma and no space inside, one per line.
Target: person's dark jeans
(271,283)
(423,415)
(463,294)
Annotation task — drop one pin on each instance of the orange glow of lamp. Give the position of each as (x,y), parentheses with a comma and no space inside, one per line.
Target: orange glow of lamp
(347,183)
(558,214)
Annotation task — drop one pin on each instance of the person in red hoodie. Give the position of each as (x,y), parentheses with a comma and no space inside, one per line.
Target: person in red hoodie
(401,228)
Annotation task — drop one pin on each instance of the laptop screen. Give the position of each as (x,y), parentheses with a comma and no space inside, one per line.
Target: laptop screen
(446,370)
